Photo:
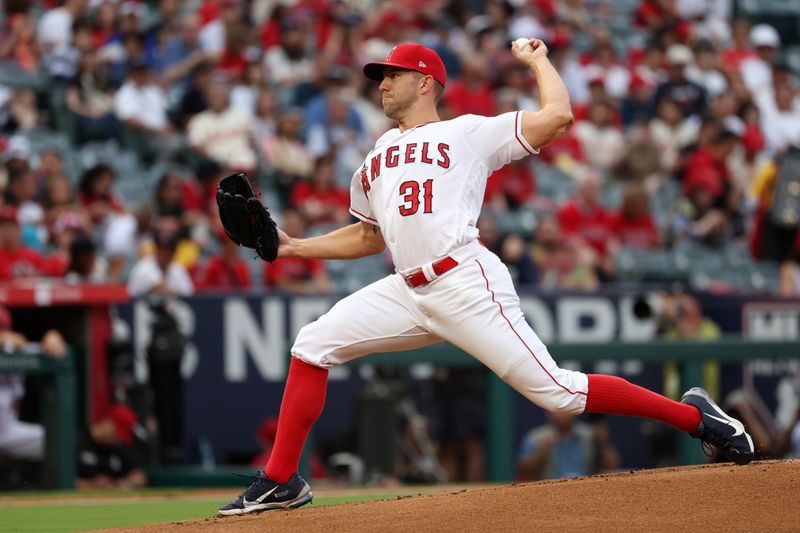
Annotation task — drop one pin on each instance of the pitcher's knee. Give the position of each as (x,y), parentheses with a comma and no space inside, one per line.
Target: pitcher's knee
(308,348)
(562,403)
(556,390)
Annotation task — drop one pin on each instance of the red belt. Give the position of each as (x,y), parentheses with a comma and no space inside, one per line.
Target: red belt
(417,278)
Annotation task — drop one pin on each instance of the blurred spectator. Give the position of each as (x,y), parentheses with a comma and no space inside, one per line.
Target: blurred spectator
(709,164)
(739,48)
(55,34)
(584,218)
(226,270)
(67,228)
(546,237)
(288,64)
(696,217)
(655,15)
(170,221)
(199,191)
(182,53)
(511,186)
(18,41)
(193,100)
(570,266)
(488,232)
(265,116)
(96,195)
(633,225)
(125,237)
(22,193)
(780,117)
(319,200)
(58,198)
(141,106)
(159,272)
(341,132)
(90,98)
(565,447)
(686,320)
(109,453)
(641,160)
(602,143)
(215,33)
(22,111)
(605,68)
(637,106)
(756,70)
(169,193)
(222,133)
(18,439)
(690,96)
(286,153)
(472,93)
(790,274)
(295,274)
(16,261)
(104,23)
(245,94)
(84,264)
(706,70)
(520,264)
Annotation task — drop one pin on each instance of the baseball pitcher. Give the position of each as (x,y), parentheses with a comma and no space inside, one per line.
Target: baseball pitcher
(419,192)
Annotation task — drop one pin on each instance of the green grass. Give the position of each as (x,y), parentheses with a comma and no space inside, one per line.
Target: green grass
(81,517)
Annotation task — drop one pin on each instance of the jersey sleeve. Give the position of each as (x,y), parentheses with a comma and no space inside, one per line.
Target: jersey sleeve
(496,140)
(359,203)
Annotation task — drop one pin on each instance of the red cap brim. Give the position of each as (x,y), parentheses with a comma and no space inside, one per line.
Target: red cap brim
(374,71)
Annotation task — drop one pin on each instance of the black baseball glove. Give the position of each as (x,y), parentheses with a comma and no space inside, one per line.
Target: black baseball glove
(245,219)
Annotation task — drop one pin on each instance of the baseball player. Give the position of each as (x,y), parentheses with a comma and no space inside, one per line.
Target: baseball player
(419,192)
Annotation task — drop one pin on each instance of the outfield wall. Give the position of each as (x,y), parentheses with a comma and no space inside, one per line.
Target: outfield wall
(237,359)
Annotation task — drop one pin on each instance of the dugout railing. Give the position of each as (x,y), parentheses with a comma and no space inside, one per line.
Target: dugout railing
(58,408)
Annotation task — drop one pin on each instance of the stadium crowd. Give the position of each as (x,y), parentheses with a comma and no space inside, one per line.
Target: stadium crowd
(682,114)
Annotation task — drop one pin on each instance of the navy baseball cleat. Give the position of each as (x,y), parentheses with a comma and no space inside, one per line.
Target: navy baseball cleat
(719,429)
(264,494)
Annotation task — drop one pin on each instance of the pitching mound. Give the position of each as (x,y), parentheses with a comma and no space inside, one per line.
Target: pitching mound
(762,496)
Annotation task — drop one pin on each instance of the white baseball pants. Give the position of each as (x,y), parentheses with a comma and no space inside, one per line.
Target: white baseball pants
(473,306)
(20,440)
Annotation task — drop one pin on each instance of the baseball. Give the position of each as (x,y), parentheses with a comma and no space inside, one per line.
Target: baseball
(522,42)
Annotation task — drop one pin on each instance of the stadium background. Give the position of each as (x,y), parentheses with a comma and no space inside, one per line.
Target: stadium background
(118,117)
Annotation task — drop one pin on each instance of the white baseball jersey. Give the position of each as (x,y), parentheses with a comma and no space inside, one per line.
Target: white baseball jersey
(424,187)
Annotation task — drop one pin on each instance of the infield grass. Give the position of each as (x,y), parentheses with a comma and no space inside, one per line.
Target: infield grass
(66,515)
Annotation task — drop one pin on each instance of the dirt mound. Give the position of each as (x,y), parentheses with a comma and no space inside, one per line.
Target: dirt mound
(762,496)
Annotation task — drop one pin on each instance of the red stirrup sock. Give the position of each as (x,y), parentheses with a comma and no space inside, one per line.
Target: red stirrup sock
(616,396)
(303,400)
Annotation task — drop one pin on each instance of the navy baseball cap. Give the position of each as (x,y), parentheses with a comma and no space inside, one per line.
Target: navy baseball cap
(410,56)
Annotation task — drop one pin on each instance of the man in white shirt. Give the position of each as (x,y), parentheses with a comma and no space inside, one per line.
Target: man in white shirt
(158,272)
(288,64)
(140,103)
(757,71)
(55,26)
(780,118)
(222,132)
(141,106)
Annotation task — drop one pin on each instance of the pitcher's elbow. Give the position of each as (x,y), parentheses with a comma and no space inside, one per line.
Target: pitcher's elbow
(566,120)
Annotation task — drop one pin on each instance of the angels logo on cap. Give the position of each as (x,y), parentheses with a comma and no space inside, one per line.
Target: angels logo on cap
(410,56)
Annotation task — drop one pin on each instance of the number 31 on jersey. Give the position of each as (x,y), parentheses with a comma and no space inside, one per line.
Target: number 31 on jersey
(410,191)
